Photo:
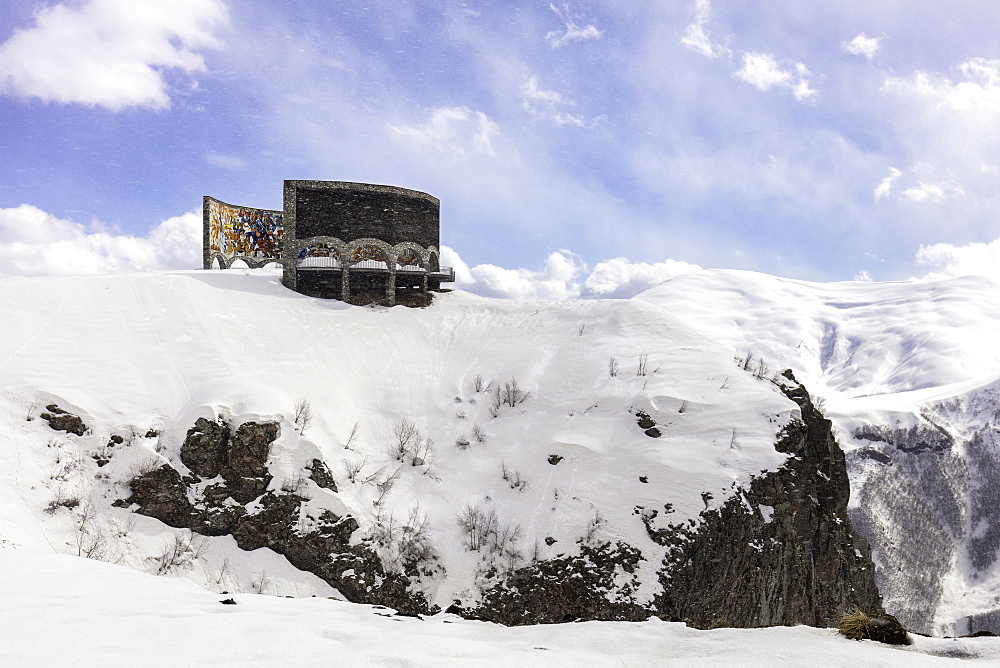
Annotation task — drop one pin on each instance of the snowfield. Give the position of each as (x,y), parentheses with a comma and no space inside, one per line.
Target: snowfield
(63,610)
(528,411)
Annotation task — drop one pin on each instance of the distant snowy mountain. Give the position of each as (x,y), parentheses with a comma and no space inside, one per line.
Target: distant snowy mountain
(511,461)
(910,375)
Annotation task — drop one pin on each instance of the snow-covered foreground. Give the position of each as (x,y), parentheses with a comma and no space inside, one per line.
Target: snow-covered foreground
(63,610)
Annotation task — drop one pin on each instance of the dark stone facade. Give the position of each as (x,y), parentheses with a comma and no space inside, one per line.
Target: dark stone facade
(358,242)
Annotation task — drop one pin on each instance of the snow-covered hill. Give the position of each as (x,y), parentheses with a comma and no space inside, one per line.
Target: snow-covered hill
(909,374)
(550,429)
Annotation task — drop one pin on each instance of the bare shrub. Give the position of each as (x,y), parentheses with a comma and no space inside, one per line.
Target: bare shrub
(513,478)
(62,499)
(180,551)
(594,525)
(353,468)
(262,583)
(479,384)
(613,367)
(352,436)
(641,368)
(303,415)
(406,437)
(508,395)
(483,529)
(385,485)
(478,434)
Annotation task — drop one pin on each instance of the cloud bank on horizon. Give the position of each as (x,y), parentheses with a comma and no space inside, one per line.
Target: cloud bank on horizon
(825,143)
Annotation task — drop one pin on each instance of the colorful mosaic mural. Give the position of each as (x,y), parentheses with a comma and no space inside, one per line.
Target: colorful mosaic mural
(368,252)
(408,257)
(237,231)
(320,250)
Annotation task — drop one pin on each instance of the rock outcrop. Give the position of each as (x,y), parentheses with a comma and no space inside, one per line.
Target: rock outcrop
(781,550)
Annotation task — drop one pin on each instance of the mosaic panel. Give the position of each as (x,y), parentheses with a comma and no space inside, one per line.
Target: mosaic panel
(238,231)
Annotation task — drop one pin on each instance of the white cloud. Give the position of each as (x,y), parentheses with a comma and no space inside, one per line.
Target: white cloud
(571,32)
(621,278)
(885,185)
(863,45)
(109,53)
(455,131)
(978,92)
(35,243)
(863,276)
(932,192)
(697,38)
(976,259)
(546,104)
(564,276)
(762,71)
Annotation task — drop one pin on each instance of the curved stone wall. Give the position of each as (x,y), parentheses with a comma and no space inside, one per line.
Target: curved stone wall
(358,210)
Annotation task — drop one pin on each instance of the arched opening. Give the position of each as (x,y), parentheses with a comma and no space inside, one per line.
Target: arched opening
(239,263)
(216,264)
(319,256)
(369,256)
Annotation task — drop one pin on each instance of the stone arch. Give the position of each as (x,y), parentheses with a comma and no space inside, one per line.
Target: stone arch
(369,250)
(410,254)
(246,263)
(219,261)
(433,261)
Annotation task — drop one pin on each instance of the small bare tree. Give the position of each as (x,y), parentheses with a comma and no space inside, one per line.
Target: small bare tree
(353,435)
(479,384)
(478,433)
(303,415)
(643,361)
(406,436)
(613,367)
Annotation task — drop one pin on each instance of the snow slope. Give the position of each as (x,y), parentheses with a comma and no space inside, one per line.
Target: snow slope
(143,356)
(60,610)
(909,373)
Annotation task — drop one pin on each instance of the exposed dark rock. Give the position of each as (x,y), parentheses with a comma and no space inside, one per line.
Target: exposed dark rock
(241,460)
(803,564)
(567,588)
(60,420)
(161,494)
(204,448)
(320,474)
(645,422)
(555,459)
(652,432)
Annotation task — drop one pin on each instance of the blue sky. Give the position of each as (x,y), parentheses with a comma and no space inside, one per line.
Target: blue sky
(577,148)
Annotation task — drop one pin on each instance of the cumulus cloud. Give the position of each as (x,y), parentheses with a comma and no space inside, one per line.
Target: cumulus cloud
(571,32)
(975,259)
(863,45)
(35,243)
(547,105)
(762,71)
(620,278)
(697,38)
(109,53)
(564,276)
(455,131)
(977,91)
(885,185)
